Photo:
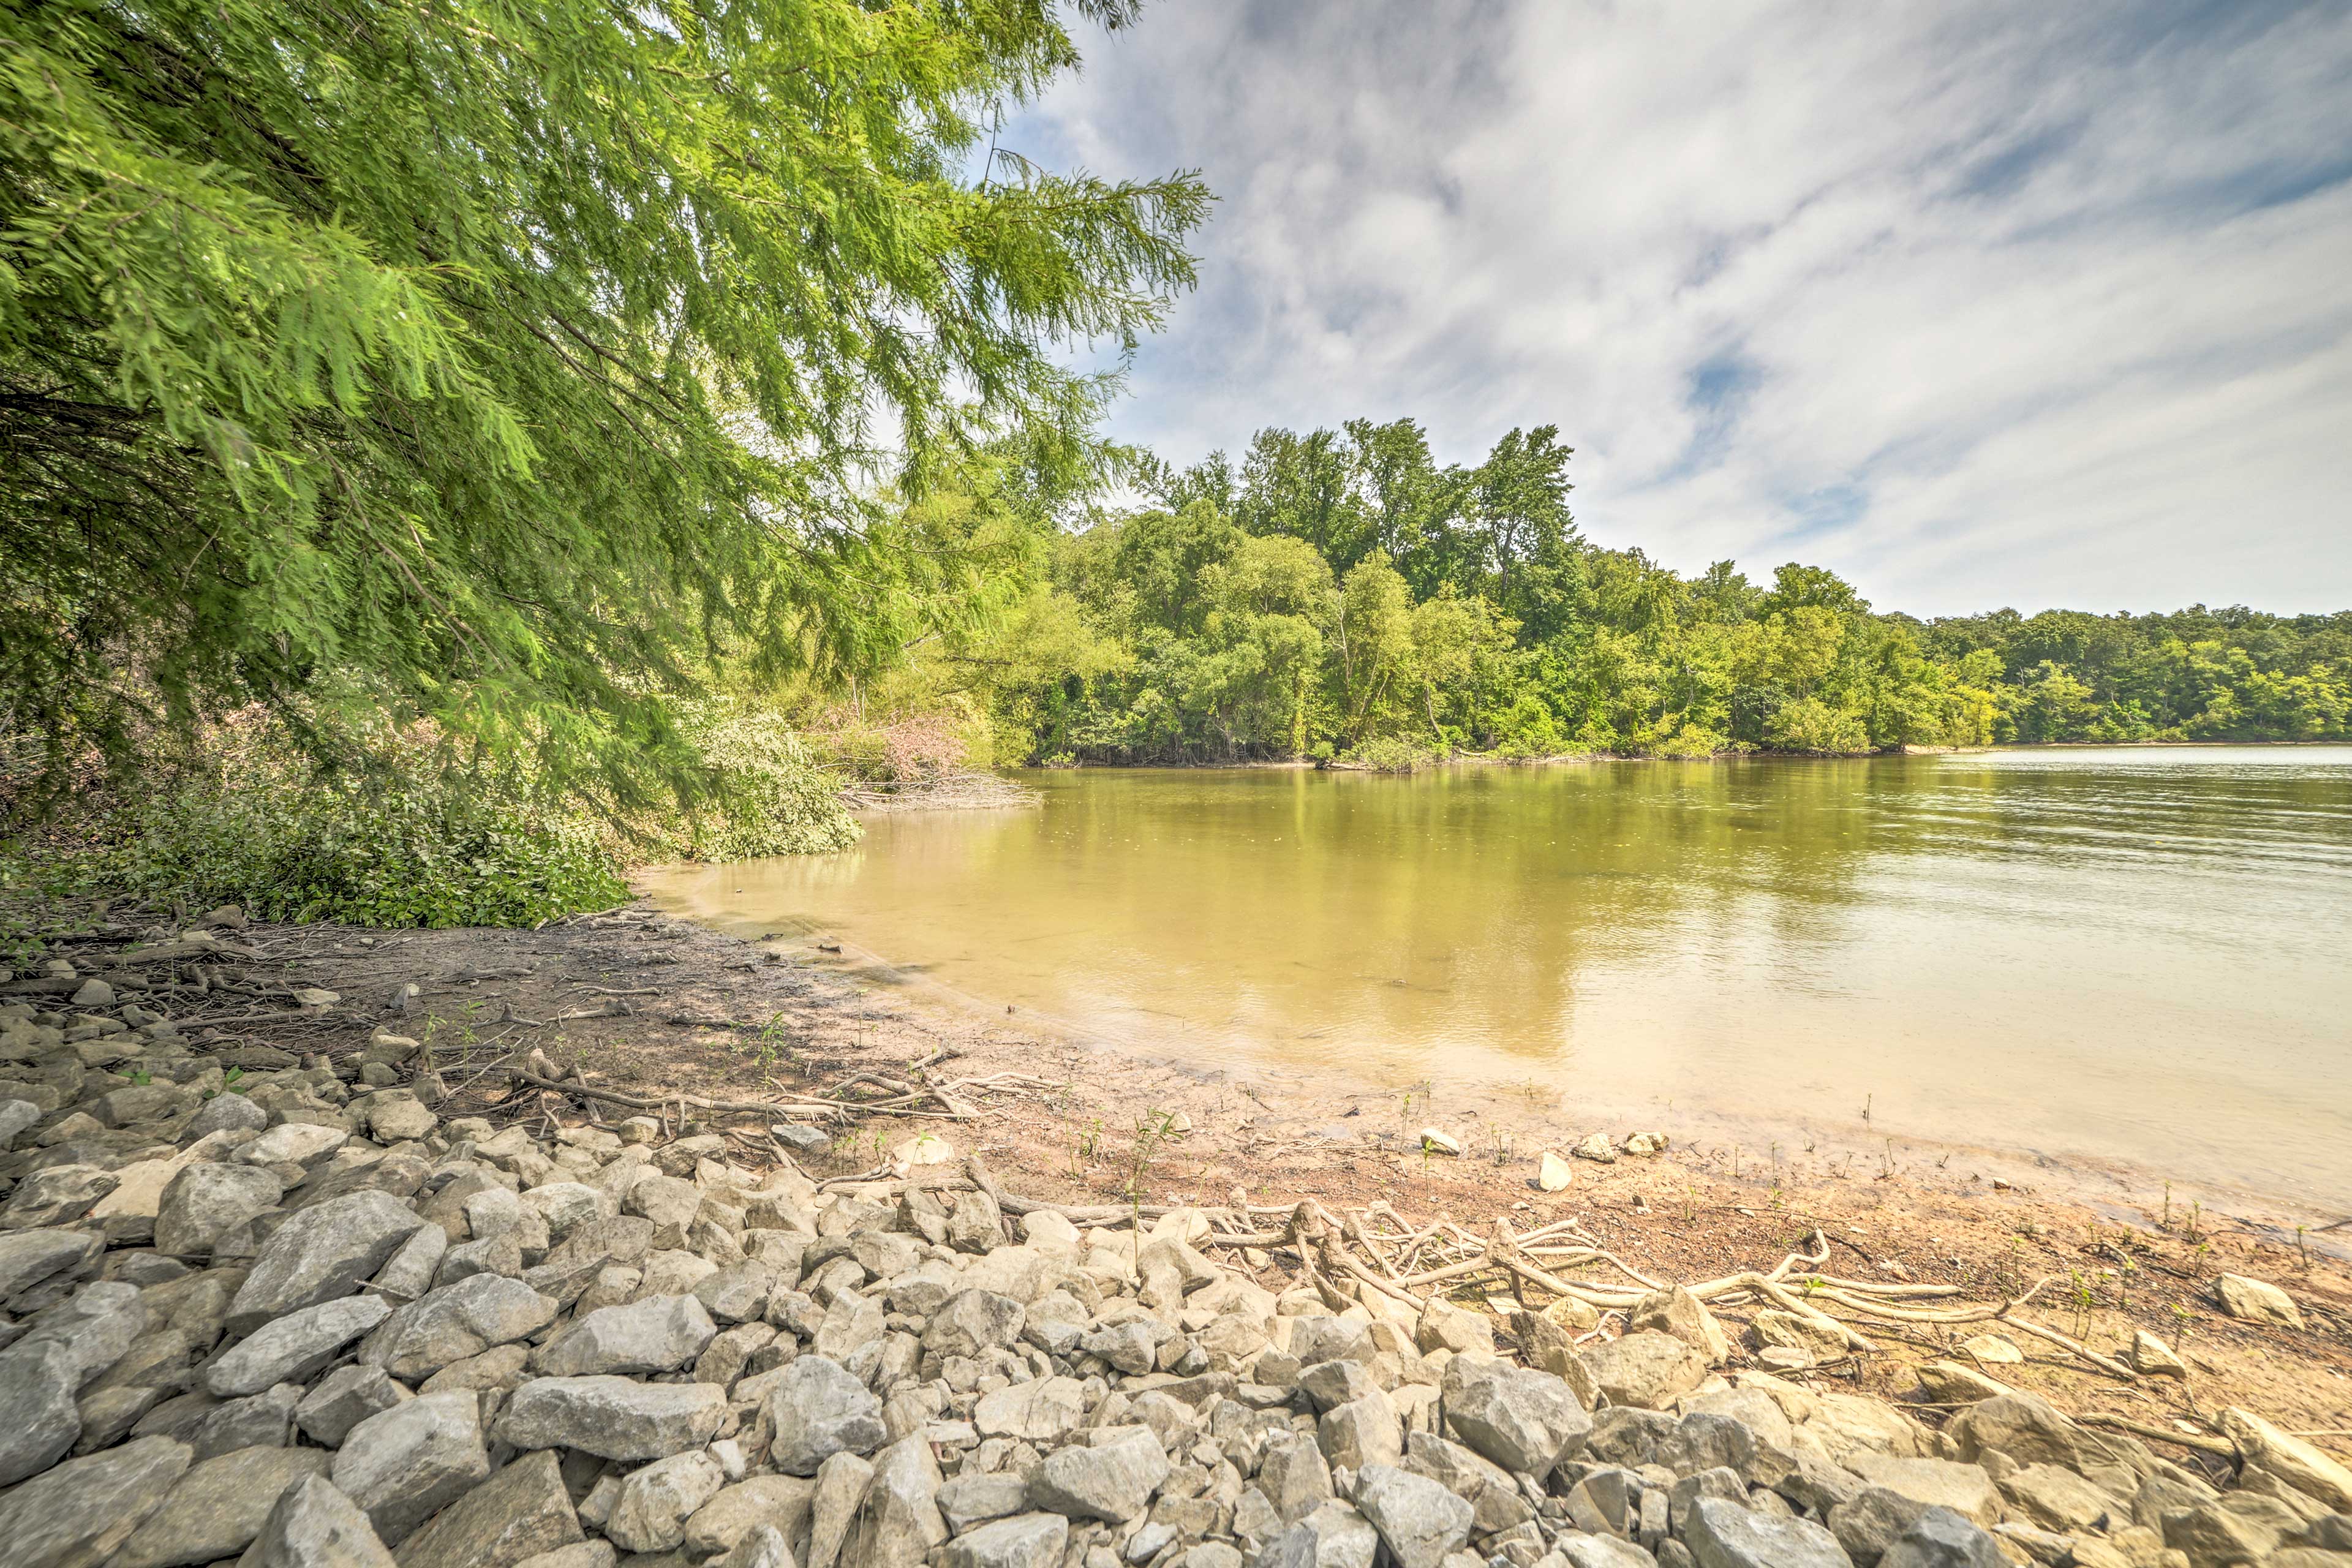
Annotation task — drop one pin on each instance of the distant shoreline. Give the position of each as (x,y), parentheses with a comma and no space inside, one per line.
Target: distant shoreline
(1483,759)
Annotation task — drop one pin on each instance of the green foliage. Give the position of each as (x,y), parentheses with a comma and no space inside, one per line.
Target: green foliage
(1341,595)
(1390,754)
(1337,592)
(2196,674)
(505,365)
(423,851)
(769,797)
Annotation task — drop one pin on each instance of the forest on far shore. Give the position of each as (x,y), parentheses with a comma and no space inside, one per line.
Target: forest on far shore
(1339,594)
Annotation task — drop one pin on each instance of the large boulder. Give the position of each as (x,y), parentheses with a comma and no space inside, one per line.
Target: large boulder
(219,1507)
(321,1253)
(521,1512)
(1419,1521)
(404,1465)
(312,1525)
(816,1409)
(1524,1420)
(79,1514)
(657,1333)
(1647,1370)
(615,1417)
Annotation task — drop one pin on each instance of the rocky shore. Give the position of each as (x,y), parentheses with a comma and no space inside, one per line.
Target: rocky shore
(283,1309)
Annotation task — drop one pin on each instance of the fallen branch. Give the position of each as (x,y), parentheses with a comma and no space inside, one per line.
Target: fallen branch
(2221,1445)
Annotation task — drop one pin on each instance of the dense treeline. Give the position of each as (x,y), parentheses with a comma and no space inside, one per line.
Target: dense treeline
(1340,593)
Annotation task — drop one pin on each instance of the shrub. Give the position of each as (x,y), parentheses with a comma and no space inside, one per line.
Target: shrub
(420,851)
(770,798)
(1692,740)
(1392,754)
(1809,724)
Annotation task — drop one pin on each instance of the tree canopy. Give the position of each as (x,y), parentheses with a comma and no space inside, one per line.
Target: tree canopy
(1341,593)
(500,362)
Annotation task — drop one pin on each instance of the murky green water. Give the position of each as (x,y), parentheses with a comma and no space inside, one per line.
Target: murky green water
(2140,955)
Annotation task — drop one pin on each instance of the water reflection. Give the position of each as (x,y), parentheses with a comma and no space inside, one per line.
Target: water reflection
(2138,954)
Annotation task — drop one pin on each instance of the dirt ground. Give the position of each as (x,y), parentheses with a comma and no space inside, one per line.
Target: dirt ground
(679,1008)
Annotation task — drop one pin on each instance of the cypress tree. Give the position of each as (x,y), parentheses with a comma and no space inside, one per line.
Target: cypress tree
(501,360)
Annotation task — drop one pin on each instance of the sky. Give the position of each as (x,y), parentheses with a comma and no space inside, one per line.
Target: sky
(1984,304)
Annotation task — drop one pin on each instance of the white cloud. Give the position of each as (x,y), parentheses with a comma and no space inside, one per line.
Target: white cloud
(1998,304)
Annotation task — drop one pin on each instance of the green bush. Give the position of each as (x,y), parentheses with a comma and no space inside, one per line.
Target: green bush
(769,797)
(1809,724)
(412,853)
(1392,754)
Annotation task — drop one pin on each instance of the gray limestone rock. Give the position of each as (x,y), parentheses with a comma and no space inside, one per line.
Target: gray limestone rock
(979,1496)
(1940,1538)
(1024,1540)
(55,1194)
(1645,1370)
(312,1525)
(410,1271)
(260,1420)
(39,1418)
(16,1117)
(1419,1521)
(971,1322)
(1726,1535)
(455,1322)
(1366,1431)
(521,1512)
(219,1507)
(1295,1477)
(224,1113)
(1524,1420)
(612,1417)
(1044,1410)
(1112,1482)
(1873,1521)
(658,1333)
(343,1399)
(79,1514)
(783,1501)
(320,1253)
(1333,1536)
(29,1256)
(656,1501)
(900,1520)
(737,1293)
(841,1483)
(294,1348)
(402,1465)
(816,1409)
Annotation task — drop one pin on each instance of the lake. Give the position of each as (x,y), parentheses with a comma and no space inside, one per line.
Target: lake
(2140,955)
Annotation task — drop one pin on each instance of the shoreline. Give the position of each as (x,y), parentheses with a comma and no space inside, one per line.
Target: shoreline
(1489,760)
(635,1005)
(2126,1191)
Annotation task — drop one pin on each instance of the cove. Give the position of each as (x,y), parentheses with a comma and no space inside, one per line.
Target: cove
(2139,956)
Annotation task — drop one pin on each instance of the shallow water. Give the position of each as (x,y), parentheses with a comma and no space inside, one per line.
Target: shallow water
(2137,956)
